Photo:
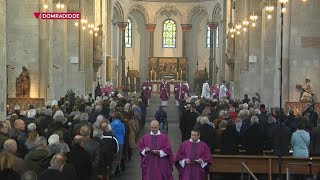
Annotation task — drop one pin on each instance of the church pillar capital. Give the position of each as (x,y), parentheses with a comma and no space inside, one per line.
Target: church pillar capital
(150,27)
(213,25)
(186,27)
(122,25)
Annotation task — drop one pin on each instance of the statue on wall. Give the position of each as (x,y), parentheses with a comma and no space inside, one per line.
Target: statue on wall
(97,49)
(306,91)
(23,83)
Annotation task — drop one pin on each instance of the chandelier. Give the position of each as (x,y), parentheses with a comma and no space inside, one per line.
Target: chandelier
(60,6)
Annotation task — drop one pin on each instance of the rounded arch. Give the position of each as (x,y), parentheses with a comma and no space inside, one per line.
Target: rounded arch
(143,11)
(216,14)
(170,10)
(194,10)
(118,7)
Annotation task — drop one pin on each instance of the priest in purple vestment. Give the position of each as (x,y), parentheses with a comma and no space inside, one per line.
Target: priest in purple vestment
(176,92)
(146,88)
(193,158)
(164,93)
(184,91)
(156,155)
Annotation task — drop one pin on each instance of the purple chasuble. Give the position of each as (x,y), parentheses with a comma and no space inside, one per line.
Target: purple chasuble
(193,151)
(176,91)
(147,89)
(153,167)
(164,91)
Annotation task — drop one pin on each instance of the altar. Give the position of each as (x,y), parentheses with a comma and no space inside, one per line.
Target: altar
(301,106)
(156,86)
(169,68)
(24,103)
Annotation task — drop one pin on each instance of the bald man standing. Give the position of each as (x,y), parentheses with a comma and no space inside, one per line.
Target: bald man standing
(156,155)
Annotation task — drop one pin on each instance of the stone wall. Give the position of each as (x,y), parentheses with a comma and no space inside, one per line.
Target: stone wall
(301,43)
(3,76)
(23,43)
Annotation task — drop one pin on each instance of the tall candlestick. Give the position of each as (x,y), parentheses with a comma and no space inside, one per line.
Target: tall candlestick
(177,76)
(155,76)
(151,75)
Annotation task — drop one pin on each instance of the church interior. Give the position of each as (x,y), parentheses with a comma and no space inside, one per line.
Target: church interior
(269,47)
(131,44)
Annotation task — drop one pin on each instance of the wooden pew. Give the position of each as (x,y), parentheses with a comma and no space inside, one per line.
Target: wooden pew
(262,164)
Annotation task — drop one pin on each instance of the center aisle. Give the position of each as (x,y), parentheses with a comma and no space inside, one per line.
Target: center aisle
(133,170)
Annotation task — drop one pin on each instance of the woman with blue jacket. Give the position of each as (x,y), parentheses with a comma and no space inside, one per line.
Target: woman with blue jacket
(300,141)
(119,130)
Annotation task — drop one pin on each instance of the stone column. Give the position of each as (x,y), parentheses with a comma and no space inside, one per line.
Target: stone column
(3,75)
(185,28)
(108,28)
(212,59)
(122,26)
(150,28)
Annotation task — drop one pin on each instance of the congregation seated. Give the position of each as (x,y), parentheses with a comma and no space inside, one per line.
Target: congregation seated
(70,128)
(228,127)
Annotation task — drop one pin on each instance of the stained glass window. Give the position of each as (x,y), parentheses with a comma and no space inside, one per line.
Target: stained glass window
(208,37)
(128,34)
(169,34)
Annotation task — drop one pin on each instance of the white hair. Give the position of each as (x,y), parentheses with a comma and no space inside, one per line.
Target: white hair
(113,104)
(48,103)
(204,120)
(254,120)
(16,107)
(245,106)
(134,107)
(58,113)
(97,132)
(31,113)
(257,111)
(126,107)
(31,127)
(54,103)
(54,139)
(84,117)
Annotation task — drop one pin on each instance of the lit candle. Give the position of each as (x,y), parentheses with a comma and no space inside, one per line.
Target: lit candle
(151,75)
(177,76)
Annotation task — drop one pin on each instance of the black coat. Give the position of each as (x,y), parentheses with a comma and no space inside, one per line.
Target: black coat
(315,141)
(51,174)
(230,141)
(207,135)
(268,135)
(108,151)
(9,174)
(187,122)
(281,139)
(82,162)
(254,140)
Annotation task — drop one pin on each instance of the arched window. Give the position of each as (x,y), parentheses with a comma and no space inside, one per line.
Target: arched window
(169,34)
(208,37)
(128,34)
